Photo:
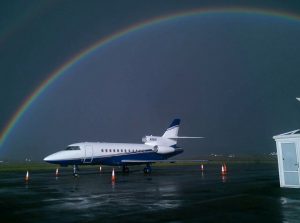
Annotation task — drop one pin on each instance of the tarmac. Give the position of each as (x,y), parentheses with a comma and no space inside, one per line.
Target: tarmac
(246,193)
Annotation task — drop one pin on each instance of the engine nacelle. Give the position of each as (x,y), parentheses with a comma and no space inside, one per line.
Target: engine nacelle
(163,149)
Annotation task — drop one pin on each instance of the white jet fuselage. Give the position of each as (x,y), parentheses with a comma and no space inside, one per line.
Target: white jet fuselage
(110,153)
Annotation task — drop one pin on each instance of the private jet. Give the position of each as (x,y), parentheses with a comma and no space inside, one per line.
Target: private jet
(154,149)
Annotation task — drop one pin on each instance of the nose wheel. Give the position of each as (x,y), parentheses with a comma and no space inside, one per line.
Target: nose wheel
(147,169)
(75,171)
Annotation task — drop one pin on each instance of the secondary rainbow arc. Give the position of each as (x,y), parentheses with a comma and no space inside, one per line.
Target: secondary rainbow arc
(56,74)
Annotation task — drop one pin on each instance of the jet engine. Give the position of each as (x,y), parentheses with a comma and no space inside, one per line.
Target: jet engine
(163,149)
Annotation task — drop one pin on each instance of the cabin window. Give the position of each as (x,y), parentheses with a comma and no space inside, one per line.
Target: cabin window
(110,150)
(101,150)
(73,148)
(117,150)
(106,150)
(125,150)
(114,150)
(121,150)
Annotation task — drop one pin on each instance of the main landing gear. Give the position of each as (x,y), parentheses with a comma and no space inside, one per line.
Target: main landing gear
(125,169)
(75,171)
(147,169)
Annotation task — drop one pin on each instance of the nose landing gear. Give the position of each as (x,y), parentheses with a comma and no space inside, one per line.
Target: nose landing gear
(75,171)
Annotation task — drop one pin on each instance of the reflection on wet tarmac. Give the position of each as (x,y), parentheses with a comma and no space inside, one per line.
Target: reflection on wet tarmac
(290,206)
(247,193)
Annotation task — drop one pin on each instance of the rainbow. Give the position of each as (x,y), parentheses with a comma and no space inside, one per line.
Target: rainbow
(60,71)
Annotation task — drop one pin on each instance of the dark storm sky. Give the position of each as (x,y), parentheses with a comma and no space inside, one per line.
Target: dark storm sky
(232,79)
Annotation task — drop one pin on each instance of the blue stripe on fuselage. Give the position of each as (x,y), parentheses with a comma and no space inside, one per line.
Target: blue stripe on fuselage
(115,159)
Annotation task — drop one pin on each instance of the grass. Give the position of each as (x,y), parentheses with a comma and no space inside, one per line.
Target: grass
(40,166)
(30,166)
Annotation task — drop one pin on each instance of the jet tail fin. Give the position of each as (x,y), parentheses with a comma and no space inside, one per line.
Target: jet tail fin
(173,129)
(169,138)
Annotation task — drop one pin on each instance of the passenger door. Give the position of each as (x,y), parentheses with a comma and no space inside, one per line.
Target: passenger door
(88,154)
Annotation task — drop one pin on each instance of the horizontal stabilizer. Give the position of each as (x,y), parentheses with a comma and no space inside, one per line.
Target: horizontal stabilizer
(186,137)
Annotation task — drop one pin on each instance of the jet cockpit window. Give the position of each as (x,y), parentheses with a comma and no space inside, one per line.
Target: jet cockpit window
(73,148)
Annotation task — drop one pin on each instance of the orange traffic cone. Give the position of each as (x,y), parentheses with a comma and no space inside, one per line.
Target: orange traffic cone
(27,176)
(113,177)
(223,170)
(56,172)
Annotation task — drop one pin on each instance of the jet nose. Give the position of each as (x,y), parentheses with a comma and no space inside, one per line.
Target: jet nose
(51,158)
(46,158)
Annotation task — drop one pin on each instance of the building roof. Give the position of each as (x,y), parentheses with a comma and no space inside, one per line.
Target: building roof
(291,134)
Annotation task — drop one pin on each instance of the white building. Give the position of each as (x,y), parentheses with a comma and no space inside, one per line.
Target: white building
(288,154)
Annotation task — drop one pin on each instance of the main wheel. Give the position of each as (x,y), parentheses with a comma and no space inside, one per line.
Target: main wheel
(147,170)
(125,169)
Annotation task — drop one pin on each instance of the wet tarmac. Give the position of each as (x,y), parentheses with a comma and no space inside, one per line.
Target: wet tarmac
(248,193)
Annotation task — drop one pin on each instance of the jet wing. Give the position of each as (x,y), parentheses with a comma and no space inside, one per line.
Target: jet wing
(161,161)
